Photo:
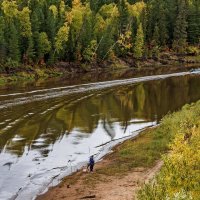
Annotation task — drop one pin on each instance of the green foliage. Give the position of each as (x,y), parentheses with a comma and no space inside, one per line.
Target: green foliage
(25,23)
(44,45)
(89,54)
(53,31)
(124,43)
(180,29)
(11,64)
(191,50)
(2,40)
(193,22)
(10,9)
(12,42)
(139,42)
(155,42)
(61,37)
(179,177)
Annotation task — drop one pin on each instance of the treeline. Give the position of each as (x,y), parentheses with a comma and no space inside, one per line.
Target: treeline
(48,31)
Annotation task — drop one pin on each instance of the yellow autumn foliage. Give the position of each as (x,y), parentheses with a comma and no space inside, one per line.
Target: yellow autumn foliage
(179,178)
(136,9)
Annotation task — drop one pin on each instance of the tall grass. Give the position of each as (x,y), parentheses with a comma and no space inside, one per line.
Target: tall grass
(179,178)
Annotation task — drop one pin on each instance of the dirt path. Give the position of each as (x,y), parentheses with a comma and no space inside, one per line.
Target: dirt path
(96,186)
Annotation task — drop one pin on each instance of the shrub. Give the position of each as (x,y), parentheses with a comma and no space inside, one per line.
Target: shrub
(180,175)
(194,51)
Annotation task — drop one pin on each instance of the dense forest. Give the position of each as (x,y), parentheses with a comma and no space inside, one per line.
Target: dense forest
(47,31)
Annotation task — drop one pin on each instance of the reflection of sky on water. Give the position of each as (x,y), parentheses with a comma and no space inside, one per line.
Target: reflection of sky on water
(40,140)
(33,170)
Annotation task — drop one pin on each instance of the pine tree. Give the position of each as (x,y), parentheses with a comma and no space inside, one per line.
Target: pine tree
(30,51)
(44,46)
(124,16)
(139,42)
(180,29)
(156,36)
(2,40)
(162,24)
(25,30)
(156,42)
(32,31)
(51,28)
(106,43)
(87,33)
(12,42)
(194,22)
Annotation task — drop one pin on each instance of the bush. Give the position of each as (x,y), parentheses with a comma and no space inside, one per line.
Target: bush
(40,73)
(194,51)
(89,53)
(11,65)
(180,175)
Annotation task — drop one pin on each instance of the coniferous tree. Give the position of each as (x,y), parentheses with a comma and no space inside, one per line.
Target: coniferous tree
(139,42)
(66,30)
(51,28)
(25,30)
(156,41)
(12,42)
(44,46)
(2,40)
(87,34)
(180,29)
(194,22)
(30,52)
(156,36)
(162,24)
(124,16)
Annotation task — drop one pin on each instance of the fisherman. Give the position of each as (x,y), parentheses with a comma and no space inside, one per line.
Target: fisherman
(91,163)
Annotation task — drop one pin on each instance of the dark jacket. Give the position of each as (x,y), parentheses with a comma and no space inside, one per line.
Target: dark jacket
(91,161)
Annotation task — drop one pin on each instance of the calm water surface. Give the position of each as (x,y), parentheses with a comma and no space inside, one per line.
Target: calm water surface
(47,131)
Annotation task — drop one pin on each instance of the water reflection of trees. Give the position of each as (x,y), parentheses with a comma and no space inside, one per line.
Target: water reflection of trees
(148,101)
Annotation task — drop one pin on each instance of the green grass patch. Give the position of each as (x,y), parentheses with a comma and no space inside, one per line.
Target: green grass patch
(143,151)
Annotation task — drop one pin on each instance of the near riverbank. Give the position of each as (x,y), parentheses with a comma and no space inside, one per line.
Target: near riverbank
(122,173)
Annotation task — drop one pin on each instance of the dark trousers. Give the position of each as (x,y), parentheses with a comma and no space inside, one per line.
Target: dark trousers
(91,168)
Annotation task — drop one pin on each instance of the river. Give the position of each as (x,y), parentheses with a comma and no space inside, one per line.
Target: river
(49,130)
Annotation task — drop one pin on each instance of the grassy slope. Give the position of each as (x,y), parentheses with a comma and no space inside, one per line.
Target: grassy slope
(180,175)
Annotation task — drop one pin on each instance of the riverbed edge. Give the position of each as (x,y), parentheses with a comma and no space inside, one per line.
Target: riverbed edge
(61,69)
(153,142)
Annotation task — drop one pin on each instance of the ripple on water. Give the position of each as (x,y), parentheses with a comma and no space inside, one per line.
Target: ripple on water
(53,138)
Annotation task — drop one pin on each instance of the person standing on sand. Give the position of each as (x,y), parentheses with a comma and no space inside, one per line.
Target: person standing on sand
(91,163)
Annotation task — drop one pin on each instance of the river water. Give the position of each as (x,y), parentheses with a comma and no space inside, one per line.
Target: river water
(49,130)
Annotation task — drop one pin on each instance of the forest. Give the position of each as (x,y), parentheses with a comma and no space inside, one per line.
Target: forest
(36,32)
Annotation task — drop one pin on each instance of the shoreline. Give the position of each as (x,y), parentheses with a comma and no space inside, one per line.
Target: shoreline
(106,149)
(128,65)
(24,192)
(73,187)
(142,174)
(131,165)
(123,153)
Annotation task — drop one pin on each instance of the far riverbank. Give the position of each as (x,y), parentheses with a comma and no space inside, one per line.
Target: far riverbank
(120,67)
